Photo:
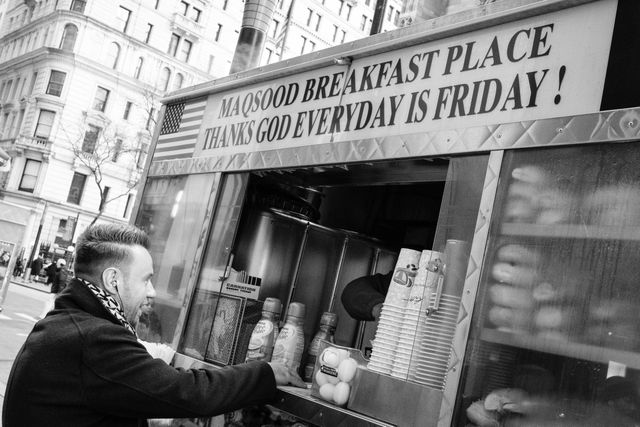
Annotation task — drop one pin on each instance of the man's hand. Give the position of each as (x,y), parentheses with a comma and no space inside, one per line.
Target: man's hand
(375,311)
(285,376)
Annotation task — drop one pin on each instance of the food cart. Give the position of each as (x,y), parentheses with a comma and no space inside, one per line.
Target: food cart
(510,127)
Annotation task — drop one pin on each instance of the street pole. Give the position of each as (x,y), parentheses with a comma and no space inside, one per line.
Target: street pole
(27,273)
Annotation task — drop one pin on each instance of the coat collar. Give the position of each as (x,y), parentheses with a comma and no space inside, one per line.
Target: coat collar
(78,295)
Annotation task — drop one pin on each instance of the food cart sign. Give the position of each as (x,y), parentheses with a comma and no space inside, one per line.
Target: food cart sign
(546,66)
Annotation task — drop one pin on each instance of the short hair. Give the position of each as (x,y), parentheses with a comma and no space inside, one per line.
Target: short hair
(103,245)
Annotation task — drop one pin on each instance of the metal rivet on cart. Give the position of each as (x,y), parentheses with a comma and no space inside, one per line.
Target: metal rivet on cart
(560,130)
(631,124)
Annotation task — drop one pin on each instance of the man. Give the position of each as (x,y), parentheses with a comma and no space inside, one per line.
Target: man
(362,298)
(56,274)
(82,365)
(36,267)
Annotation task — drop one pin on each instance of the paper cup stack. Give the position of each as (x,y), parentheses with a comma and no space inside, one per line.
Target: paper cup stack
(423,286)
(393,312)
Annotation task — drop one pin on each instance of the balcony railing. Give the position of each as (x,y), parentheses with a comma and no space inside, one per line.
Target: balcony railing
(187,25)
(22,143)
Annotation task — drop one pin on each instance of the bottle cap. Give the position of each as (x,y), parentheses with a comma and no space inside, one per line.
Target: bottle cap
(296,309)
(272,305)
(330,319)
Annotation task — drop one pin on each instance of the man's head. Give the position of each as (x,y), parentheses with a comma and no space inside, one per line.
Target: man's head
(61,263)
(116,258)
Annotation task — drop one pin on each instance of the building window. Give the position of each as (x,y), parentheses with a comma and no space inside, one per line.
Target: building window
(341,7)
(318,19)
(127,110)
(147,35)
(69,36)
(185,50)
(269,53)
(304,44)
(77,188)
(101,98)
(389,13)
(124,15)
(218,31)
(363,22)
(396,17)
(150,119)
(90,139)
(117,148)
(349,7)
(157,4)
(113,54)
(185,7)
(56,82)
(128,205)
(178,80)
(29,175)
(44,125)
(78,5)
(165,76)
(367,2)
(224,5)
(210,65)
(335,32)
(32,85)
(344,34)
(173,44)
(274,28)
(104,198)
(138,70)
(313,45)
(309,17)
(195,14)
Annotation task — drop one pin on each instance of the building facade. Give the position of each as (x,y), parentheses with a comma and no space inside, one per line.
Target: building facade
(81,80)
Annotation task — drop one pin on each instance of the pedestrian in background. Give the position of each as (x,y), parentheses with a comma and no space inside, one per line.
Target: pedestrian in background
(36,268)
(54,277)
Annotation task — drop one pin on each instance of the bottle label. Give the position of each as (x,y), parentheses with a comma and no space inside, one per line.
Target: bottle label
(261,342)
(288,348)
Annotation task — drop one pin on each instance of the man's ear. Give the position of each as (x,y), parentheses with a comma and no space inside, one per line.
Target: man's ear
(111,279)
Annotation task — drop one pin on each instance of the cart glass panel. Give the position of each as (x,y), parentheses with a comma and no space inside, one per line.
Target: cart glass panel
(554,338)
(172,211)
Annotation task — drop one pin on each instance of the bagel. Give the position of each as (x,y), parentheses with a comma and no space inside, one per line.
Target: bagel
(509,318)
(531,174)
(509,296)
(517,275)
(518,255)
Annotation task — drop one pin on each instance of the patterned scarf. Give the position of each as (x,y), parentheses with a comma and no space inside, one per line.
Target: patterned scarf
(110,304)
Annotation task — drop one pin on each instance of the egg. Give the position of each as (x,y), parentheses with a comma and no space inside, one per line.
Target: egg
(330,357)
(326,391)
(341,393)
(322,379)
(347,369)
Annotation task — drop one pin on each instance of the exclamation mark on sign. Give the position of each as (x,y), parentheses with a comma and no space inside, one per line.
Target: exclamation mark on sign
(558,98)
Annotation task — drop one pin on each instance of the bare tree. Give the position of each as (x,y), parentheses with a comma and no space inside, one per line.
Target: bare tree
(104,151)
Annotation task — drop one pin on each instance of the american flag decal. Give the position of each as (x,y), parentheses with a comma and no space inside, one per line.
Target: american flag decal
(179,131)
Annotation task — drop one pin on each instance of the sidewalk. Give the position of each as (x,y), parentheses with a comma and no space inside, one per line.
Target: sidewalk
(38,286)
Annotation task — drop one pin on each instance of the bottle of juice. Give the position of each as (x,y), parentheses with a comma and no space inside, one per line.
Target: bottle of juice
(328,323)
(263,338)
(290,343)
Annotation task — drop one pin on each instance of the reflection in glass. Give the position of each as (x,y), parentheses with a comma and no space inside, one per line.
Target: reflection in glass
(172,212)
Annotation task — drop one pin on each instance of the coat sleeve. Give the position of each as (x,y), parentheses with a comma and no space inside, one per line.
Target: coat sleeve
(362,294)
(120,378)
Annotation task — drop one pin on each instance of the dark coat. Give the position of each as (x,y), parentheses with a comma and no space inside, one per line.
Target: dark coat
(362,294)
(80,367)
(36,266)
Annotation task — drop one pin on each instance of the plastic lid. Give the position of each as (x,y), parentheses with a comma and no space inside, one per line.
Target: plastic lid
(329,318)
(272,305)
(296,309)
